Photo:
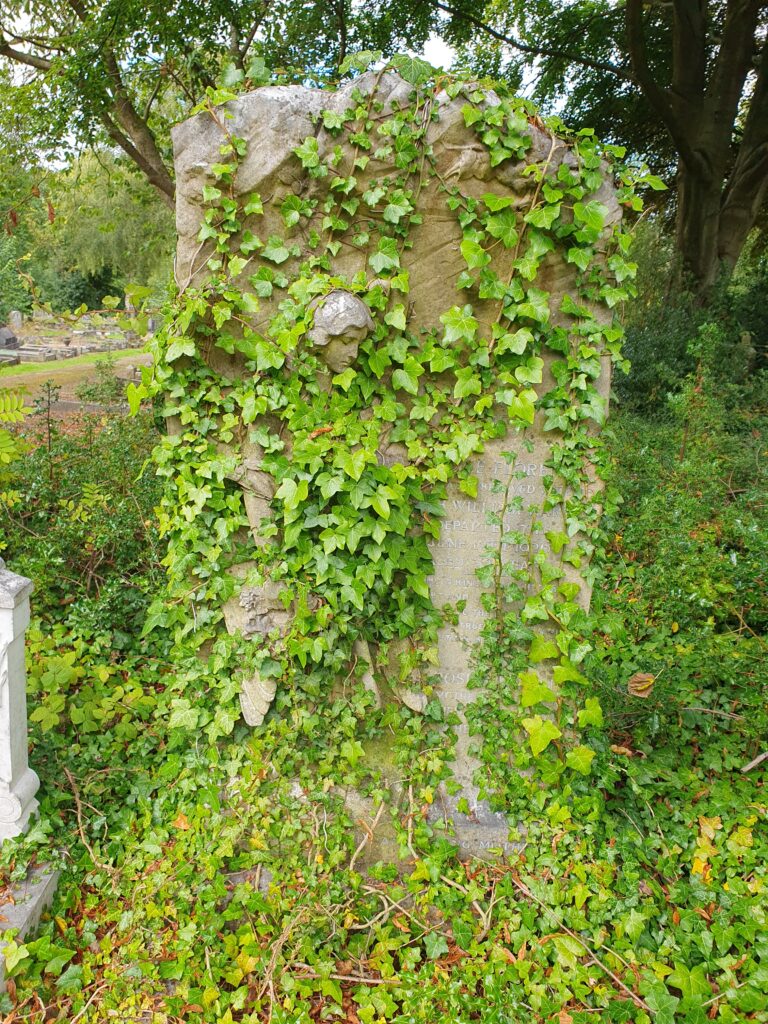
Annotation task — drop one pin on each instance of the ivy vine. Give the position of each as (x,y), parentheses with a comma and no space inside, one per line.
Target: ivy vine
(349,536)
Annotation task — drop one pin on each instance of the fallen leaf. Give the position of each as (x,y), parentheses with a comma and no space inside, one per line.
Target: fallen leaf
(641,684)
(182,822)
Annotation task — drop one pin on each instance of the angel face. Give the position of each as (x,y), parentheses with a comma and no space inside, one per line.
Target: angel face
(341,323)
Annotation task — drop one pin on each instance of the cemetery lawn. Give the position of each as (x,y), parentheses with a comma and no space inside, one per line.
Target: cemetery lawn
(91,359)
(198,884)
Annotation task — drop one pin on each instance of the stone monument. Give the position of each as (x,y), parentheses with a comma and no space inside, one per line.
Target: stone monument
(275,122)
(18,783)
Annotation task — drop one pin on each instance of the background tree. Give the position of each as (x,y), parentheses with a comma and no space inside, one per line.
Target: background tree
(126,70)
(684,84)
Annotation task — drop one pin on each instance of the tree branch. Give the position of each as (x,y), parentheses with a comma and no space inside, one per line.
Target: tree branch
(258,22)
(149,171)
(30,59)
(659,98)
(734,59)
(137,131)
(537,51)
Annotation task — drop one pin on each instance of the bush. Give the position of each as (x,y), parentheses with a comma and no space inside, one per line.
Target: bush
(663,340)
(85,531)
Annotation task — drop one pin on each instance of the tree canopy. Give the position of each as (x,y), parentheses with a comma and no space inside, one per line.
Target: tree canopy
(683,84)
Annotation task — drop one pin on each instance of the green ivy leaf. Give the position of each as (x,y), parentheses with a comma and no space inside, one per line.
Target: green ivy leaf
(504,227)
(352,462)
(541,732)
(386,257)
(592,713)
(412,69)
(580,759)
(275,250)
(308,152)
(496,203)
(459,324)
(533,691)
(474,254)
(542,648)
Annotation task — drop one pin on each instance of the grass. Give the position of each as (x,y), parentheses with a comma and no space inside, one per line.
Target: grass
(92,357)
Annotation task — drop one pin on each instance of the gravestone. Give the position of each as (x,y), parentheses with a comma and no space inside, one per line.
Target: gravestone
(8,339)
(15,320)
(274,122)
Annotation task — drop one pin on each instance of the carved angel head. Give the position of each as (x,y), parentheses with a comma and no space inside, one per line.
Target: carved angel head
(341,322)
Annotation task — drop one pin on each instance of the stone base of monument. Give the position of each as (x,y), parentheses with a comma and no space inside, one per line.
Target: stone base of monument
(22,905)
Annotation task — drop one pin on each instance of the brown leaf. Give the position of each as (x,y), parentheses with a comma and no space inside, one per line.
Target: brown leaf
(641,684)
(182,822)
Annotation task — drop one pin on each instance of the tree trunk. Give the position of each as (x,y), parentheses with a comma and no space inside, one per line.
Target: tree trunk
(699,198)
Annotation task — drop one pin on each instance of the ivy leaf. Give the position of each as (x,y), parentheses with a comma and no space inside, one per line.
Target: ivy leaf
(459,324)
(398,207)
(386,257)
(536,306)
(396,317)
(543,216)
(352,462)
(474,254)
(523,406)
(441,359)
(517,342)
(344,380)
(275,250)
(292,492)
(580,257)
(467,383)
(183,715)
(308,152)
(541,732)
(360,61)
(496,203)
(333,120)
(412,69)
(542,648)
(531,371)
(435,945)
(504,227)
(407,377)
(472,115)
(591,714)
(380,504)
(180,347)
(591,214)
(533,691)
(580,759)
(660,1000)
(254,205)
(292,209)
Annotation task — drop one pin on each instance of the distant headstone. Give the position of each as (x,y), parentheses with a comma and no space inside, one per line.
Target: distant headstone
(7,338)
(276,121)
(15,320)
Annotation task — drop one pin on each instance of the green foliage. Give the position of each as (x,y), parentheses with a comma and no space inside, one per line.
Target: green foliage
(213,873)
(84,529)
(110,228)
(13,294)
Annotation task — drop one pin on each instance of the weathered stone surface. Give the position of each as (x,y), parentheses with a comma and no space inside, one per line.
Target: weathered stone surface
(274,121)
(22,905)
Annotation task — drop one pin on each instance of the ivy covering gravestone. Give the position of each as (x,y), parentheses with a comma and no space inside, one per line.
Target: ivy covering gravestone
(384,378)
